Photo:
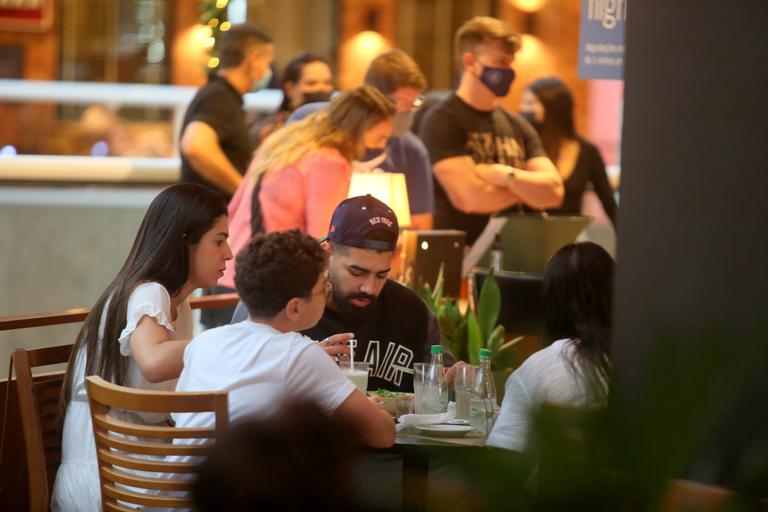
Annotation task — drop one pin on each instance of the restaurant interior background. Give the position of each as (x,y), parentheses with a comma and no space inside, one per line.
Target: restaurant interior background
(693,247)
(162,42)
(81,66)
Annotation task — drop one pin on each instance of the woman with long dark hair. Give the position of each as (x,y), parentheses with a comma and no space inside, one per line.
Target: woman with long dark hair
(574,369)
(547,104)
(136,332)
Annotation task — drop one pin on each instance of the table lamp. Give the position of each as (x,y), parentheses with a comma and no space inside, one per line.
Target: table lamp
(387,187)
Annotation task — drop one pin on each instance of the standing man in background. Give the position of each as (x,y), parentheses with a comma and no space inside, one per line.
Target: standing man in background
(485,159)
(215,150)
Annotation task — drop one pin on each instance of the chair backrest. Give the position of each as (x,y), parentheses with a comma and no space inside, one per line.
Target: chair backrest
(125,449)
(38,405)
(561,433)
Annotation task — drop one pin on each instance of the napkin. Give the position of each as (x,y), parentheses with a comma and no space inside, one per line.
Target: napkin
(411,420)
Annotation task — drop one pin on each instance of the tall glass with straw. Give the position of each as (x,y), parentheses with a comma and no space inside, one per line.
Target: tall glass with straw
(357,372)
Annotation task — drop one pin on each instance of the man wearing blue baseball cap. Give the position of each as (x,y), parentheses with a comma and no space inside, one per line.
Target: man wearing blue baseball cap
(391,324)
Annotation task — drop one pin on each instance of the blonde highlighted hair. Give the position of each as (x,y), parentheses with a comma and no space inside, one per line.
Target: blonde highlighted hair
(341,127)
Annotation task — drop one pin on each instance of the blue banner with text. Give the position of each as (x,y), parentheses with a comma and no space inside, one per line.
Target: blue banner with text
(601,39)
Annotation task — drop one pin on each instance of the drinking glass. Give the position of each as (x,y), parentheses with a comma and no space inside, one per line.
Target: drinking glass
(463,380)
(419,379)
(357,373)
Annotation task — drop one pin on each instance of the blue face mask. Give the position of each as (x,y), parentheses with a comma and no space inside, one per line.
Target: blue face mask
(497,80)
(263,82)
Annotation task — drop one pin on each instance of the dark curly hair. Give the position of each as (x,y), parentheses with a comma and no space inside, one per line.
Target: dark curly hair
(274,268)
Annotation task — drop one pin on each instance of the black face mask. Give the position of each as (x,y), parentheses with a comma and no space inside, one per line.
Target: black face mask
(315,97)
(497,80)
(531,118)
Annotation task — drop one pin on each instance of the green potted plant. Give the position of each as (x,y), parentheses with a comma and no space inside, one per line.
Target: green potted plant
(465,333)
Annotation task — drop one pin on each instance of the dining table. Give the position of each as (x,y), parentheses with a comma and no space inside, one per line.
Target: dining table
(417,450)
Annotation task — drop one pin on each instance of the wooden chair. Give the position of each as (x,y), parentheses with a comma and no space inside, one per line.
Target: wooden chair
(120,457)
(38,404)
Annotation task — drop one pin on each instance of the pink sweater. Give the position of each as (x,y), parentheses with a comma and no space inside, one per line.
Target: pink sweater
(302,195)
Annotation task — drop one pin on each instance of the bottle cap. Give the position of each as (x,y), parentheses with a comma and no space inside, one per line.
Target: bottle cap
(436,349)
(486,352)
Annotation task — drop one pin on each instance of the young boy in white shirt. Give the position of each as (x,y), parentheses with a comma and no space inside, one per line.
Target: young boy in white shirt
(263,361)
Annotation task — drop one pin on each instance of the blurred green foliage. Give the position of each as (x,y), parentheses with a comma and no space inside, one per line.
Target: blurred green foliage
(669,416)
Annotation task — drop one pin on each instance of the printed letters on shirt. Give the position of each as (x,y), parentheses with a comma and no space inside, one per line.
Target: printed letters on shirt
(389,366)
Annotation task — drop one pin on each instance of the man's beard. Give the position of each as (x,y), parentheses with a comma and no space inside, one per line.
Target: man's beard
(343,304)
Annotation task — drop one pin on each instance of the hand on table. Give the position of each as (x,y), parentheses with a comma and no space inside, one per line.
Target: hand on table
(338,345)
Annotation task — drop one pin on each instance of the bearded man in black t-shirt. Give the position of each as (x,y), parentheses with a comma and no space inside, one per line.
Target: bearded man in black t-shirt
(485,160)
(391,325)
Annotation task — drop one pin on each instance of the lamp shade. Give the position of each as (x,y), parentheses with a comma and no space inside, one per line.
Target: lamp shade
(387,187)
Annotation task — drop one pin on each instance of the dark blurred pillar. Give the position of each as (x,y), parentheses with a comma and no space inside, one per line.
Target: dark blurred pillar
(693,225)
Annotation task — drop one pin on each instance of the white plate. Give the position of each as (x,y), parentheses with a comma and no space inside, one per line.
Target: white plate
(444,430)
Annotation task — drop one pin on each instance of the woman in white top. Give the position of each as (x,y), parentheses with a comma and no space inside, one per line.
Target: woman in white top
(573,369)
(136,332)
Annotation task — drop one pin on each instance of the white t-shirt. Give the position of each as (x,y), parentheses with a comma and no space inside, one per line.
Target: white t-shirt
(261,368)
(546,376)
(77,482)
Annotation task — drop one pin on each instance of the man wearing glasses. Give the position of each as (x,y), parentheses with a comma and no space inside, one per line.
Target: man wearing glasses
(399,78)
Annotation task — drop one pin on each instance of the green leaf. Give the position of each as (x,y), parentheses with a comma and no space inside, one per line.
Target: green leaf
(474,339)
(425,294)
(457,342)
(488,305)
(451,313)
(437,294)
(506,357)
(496,338)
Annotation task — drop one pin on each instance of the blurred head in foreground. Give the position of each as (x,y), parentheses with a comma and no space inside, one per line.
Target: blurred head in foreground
(299,460)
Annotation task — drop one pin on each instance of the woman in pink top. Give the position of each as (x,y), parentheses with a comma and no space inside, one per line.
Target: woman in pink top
(302,171)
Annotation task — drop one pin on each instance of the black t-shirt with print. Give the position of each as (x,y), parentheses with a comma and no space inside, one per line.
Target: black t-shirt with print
(453,128)
(220,106)
(397,333)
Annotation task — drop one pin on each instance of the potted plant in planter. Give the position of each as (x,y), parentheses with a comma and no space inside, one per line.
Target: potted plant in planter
(465,333)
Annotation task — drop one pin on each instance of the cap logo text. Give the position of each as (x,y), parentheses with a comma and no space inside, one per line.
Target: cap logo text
(380,220)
